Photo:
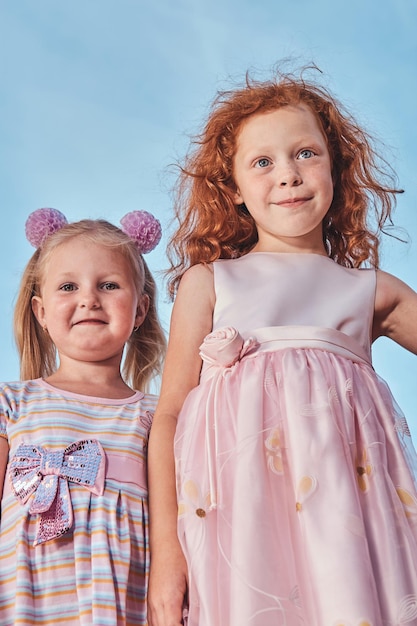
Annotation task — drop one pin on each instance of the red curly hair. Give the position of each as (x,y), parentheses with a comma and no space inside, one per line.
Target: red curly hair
(212,226)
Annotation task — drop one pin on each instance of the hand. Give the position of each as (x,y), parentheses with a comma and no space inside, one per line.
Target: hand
(167,591)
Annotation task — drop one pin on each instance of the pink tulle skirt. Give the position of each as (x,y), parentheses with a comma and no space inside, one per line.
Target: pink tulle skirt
(297,492)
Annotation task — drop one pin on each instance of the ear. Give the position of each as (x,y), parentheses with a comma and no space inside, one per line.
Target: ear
(238,198)
(39,310)
(141,310)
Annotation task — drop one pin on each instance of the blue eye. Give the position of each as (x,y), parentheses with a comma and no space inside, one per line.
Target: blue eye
(305,154)
(109,286)
(67,287)
(264,162)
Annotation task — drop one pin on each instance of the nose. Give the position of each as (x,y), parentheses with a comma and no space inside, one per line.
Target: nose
(289,175)
(89,299)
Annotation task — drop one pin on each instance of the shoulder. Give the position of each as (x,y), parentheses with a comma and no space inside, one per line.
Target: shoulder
(15,390)
(395,310)
(13,397)
(14,385)
(148,402)
(197,273)
(196,286)
(390,291)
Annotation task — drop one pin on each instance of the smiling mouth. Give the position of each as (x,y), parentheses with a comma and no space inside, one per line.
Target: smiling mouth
(91,322)
(292,201)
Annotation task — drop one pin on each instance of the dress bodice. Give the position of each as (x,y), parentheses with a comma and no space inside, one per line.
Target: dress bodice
(266,289)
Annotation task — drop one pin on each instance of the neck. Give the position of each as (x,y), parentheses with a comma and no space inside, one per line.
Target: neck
(310,243)
(90,379)
(288,247)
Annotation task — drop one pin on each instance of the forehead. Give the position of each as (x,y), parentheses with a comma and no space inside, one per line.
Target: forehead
(288,120)
(81,254)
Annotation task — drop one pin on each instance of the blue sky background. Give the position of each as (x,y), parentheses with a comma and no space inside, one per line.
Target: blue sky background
(98,98)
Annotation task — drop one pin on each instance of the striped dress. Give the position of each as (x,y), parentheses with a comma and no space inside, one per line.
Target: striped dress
(97,571)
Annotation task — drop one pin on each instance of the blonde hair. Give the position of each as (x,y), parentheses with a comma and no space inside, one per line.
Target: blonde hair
(145,348)
(212,226)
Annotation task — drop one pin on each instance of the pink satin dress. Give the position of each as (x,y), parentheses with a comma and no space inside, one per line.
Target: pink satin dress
(296,474)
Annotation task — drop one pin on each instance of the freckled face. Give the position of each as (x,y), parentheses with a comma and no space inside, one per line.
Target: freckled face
(89,302)
(282,172)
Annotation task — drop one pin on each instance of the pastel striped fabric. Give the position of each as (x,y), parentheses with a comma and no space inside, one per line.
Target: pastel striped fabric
(97,573)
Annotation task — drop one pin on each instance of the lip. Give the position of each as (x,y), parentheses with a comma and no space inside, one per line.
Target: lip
(293,202)
(89,322)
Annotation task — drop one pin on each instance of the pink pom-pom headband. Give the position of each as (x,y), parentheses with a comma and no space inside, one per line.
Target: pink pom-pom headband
(141,226)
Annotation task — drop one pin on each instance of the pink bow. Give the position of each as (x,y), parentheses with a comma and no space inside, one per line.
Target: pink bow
(47,472)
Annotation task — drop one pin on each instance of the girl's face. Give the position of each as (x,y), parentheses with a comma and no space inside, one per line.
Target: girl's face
(89,302)
(282,172)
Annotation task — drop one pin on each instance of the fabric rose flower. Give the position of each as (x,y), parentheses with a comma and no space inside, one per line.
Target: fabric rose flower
(225,346)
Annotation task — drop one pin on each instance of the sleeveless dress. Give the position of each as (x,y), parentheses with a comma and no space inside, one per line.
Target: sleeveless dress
(296,474)
(84,560)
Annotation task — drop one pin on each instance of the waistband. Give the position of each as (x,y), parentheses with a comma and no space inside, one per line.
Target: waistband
(126,470)
(281,337)
(273,338)
(118,467)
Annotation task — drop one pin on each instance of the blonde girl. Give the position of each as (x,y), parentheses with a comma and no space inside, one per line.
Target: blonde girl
(74,430)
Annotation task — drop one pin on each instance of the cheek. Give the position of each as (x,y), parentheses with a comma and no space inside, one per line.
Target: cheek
(255,188)
(325,181)
(126,309)
(56,310)
(330,187)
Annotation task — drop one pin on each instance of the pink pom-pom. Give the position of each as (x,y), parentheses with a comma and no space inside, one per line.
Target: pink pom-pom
(42,223)
(143,228)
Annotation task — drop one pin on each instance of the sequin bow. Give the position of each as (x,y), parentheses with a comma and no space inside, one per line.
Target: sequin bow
(47,472)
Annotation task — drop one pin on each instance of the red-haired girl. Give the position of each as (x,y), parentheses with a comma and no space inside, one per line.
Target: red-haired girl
(294,493)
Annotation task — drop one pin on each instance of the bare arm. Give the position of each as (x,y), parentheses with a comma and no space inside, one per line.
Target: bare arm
(191,321)
(395,311)
(4,455)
